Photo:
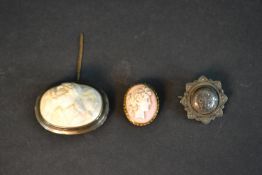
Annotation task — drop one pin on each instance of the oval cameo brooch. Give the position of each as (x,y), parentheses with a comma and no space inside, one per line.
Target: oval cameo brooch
(204,100)
(71,107)
(141,104)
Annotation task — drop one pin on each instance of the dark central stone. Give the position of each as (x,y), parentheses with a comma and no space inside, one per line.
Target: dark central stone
(205,100)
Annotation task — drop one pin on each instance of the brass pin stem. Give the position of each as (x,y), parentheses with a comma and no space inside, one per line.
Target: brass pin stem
(80,56)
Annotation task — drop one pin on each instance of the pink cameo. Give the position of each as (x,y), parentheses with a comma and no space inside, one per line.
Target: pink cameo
(141,104)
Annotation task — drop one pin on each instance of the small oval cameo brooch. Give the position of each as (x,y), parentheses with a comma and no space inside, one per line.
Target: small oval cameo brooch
(141,104)
(204,100)
(72,108)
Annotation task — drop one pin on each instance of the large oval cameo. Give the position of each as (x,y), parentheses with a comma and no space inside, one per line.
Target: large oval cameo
(141,104)
(70,107)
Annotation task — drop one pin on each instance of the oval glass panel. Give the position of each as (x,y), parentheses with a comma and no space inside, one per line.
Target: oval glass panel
(205,100)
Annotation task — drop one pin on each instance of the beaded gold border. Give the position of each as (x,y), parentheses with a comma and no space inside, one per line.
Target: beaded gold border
(125,109)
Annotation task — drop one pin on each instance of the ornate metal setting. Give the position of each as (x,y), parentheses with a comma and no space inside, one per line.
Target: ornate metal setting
(204,100)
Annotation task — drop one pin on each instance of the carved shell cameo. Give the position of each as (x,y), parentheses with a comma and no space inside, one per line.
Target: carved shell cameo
(141,104)
(71,108)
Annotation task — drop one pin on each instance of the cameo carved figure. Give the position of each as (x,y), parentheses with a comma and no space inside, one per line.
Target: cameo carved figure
(71,105)
(139,102)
